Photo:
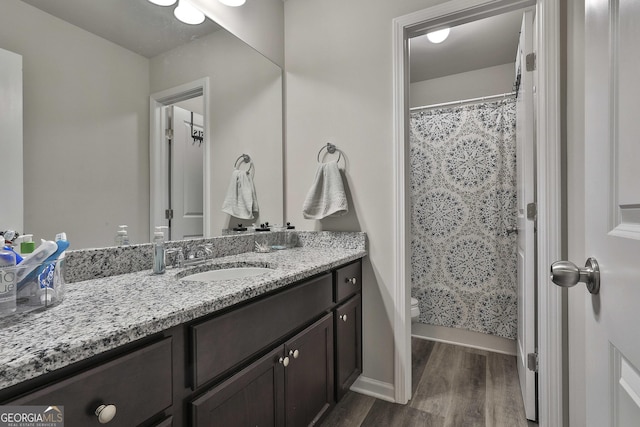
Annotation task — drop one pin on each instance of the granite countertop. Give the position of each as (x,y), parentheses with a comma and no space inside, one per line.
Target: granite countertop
(101,314)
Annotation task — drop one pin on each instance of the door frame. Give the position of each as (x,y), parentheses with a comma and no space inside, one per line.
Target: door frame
(159,154)
(548,157)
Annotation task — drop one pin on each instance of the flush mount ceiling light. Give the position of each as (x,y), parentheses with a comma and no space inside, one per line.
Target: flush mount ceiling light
(188,14)
(233,3)
(163,2)
(438,36)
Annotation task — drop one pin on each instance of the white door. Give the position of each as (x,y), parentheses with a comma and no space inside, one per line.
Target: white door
(11,201)
(612,183)
(526,226)
(186,172)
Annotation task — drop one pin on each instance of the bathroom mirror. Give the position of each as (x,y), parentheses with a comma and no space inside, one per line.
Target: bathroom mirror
(88,76)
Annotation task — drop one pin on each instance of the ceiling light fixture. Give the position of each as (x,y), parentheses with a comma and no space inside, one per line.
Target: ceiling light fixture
(233,3)
(188,13)
(438,36)
(163,2)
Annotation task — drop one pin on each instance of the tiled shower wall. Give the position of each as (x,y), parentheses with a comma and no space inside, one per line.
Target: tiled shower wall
(463,197)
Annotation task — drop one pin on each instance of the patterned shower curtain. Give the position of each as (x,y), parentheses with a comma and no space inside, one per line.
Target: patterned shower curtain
(463,197)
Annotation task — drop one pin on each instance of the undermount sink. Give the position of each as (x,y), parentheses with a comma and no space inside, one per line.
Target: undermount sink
(227,274)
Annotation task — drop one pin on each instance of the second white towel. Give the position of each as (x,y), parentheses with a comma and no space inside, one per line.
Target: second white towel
(326,197)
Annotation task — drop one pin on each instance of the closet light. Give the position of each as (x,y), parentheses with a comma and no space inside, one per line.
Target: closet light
(163,2)
(188,14)
(438,36)
(233,3)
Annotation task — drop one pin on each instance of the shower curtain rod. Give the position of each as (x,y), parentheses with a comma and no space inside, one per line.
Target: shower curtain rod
(465,101)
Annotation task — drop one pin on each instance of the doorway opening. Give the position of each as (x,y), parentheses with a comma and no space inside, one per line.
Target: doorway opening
(180,155)
(472,245)
(547,158)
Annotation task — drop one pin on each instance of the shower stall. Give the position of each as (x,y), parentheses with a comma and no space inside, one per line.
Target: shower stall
(463,215)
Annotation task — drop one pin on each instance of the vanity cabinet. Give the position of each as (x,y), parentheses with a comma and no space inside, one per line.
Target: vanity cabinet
(292,385)
(281,359)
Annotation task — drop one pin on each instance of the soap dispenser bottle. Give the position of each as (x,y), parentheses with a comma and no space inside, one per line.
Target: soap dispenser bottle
(122,238)
(158,250)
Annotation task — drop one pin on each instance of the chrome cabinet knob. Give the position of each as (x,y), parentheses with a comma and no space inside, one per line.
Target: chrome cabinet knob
(284,361)
(352,280)
(343,317)
(105,413)
(511,230)
(294,353)
(567,274)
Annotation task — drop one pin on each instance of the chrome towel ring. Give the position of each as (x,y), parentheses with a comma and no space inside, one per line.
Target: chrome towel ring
(331,148)
(244,158)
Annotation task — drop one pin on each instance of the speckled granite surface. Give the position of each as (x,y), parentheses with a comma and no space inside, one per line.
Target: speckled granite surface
(85,264)
(104,313)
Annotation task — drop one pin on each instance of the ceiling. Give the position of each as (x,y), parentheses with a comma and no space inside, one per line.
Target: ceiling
(137,25)
(479,44)
(149,30)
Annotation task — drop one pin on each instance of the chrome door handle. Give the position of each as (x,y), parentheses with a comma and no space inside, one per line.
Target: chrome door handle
(511,230)
(567,274)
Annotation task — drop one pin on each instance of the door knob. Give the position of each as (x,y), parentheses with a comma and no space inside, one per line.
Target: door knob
(567,274)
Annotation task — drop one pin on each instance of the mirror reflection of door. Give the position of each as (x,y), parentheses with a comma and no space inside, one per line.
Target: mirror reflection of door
(186,174)
(11,206)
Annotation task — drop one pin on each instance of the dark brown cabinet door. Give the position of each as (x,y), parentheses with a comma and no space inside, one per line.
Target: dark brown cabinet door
(252,397)
(309,376)
(348,321)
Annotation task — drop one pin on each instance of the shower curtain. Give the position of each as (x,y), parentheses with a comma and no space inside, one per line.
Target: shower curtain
(463,200)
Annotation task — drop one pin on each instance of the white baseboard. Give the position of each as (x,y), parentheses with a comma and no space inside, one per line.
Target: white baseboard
(374,388)
(464,338)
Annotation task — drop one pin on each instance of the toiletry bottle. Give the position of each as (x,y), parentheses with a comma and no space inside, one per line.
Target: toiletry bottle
(158,250)
(27,245)
(9,237)
(122,238)
(50,280)
(7,282)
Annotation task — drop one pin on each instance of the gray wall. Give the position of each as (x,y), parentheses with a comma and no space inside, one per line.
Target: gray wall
(338,59)
(473,84)
(576,207)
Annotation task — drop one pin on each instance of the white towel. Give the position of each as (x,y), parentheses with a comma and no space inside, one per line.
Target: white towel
(241,200)
(326,196)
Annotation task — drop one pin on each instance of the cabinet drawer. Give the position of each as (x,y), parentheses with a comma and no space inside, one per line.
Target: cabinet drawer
(138,384)
(227,341)
(348,281)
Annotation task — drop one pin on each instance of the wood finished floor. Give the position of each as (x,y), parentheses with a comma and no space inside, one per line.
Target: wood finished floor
(453,386)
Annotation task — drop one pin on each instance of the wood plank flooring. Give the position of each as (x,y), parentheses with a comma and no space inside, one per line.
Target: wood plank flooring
(453,386)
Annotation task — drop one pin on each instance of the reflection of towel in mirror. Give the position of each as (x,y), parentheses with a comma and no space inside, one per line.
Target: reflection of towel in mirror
(326,196)
(241,200)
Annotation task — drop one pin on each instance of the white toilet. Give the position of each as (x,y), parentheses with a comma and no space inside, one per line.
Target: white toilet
(415,310)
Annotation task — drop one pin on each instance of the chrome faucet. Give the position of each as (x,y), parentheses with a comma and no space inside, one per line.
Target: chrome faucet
(199,253)
(178,257)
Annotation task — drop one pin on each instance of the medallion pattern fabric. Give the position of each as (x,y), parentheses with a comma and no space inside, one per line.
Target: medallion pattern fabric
(463,201)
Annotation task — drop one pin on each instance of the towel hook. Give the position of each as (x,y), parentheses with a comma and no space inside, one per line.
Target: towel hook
(331,149)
